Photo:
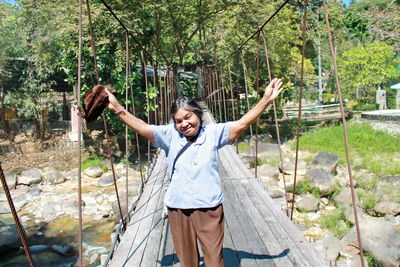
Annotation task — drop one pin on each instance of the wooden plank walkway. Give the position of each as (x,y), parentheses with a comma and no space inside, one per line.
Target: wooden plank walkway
(257,232)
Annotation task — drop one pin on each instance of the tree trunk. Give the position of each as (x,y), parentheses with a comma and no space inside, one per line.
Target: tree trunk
(3,122)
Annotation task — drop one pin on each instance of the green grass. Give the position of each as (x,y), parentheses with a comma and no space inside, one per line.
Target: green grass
(335,223)
(93,160)
(375,149)
(243,146)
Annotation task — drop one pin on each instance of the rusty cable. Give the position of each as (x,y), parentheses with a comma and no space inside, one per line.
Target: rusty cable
(300,99)
(144,67)
(103,115)
(232,99)
(276,123)
(246,90)
(78,100)
(257,89)
(126,126)
(18,224)
(353,196)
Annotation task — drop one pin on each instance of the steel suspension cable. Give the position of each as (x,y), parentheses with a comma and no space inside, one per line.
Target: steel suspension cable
(218,94)
(232,99)
(246,89)
(78,100)
(134,114)
(300,99)
(346,143)
(126,126)
(257,89)
(223,94)
(276,123)
(258,30)
(92,41)
(18,224)
(144,67)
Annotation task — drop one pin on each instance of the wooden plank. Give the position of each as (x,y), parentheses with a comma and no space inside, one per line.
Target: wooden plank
(271,242)
(151,252)
(121,255)
(230,254)
(303,247)
(239,239)
(256,245)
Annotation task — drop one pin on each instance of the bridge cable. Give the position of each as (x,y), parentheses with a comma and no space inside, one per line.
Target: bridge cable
(78,100)
(353,196)
(223,94)
(18,224)
(144,67)
(246,89)
(276,123)
(258,30)
(257,92)
(127,69)
(303,35)
(134,114)
(103,115)
(232,99)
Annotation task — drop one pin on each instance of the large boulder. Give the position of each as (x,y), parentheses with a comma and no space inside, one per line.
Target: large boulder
(52,176)
(268,170)
(94,171)
(106,180)
(19,202)
(308,204)
(388,188)
(383,208)
(9,238)
(31,176)
(344,197)
(268,151)
(11,178)
(289,166)
(379,238)
(330,247)
(321,179)
(325,160)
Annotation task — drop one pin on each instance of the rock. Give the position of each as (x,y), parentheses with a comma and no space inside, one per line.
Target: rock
(71,175)
(324,201)
(344,197)
(268,151)
(11,179)
(349,214)
(289,163)
(106,180)
(19,202)
(62,250)
(321,179)
(38,248)
(391,179)
(384,208)
(325,160)
(379,238)
(52,176)
(9,238)
(94,171)
(314,232)
(31,176)
(35,192)
(331,247)
(268,170)
(356,261)
(307,204)
(275,193)
(115,207)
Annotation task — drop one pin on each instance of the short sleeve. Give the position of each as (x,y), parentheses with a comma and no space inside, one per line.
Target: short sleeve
(222,134)
(163,136)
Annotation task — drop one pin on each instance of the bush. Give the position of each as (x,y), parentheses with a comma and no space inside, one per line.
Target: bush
(93,160)
(365,107)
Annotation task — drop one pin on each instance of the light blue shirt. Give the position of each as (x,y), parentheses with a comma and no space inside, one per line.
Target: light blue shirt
(195,182)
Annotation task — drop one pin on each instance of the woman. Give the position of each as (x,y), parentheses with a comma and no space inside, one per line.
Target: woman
(194,197)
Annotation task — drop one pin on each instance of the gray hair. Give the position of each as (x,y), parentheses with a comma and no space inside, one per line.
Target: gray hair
(188,104)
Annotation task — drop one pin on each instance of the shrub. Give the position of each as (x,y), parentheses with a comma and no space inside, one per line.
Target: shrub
(93,160)
(335,223)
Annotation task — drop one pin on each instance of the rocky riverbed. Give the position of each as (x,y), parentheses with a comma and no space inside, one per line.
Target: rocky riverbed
(46,201)
(323,207)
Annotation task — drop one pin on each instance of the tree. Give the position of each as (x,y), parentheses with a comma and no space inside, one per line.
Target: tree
(364,69)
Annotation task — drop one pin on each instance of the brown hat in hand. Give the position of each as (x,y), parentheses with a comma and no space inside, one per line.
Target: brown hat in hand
(94,102)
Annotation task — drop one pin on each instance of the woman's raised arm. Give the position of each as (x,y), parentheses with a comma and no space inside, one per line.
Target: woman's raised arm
(271,92)
(134,123)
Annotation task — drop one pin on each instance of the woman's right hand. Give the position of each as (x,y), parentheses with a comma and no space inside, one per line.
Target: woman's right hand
(113,104)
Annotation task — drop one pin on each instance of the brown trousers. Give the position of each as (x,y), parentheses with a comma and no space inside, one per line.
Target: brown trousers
(206,225)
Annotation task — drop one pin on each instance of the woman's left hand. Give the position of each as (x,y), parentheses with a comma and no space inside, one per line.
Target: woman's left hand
(273,89)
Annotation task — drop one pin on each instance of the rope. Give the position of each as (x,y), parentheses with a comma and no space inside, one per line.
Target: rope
(258,30)
(147,100)
(78,99)
(103,115)
(276,124)
(126,126)
(141,48)
(18,224)
(353,197)
(300,99)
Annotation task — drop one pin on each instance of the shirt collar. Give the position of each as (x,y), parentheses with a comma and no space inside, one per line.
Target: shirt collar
(200,139)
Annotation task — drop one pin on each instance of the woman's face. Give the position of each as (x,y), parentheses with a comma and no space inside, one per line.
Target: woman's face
(187,122)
